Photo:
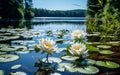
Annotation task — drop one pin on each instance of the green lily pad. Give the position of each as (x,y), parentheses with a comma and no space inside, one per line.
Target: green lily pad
(18,73)
(108,64)
(112,64)
(8,48)
(92,48)
(94,34)
(3,53)
(3,45)
(71,58)
(66,66)
(90,43)
(52,59)
(71,68)
(8,58)
(23,52)
(90,61)
(22,49)
(104,46)
(114,43)
(55,74)
(106,52)
(2,72)
(16,66)
(101,63)
(88,70)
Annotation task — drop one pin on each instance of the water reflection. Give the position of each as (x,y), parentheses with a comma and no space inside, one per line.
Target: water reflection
(42,25)
(5,23)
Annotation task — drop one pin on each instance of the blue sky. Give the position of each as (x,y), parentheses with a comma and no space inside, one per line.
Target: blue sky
(60,4)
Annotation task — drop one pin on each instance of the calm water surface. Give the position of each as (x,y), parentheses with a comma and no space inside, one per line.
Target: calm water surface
(41,25)
(54,24)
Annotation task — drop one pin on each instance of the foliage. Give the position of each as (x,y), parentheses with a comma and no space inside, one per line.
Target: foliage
(103,17)
(28,9)
(57,13)
(15,9)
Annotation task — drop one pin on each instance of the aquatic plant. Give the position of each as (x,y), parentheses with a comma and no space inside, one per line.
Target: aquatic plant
(105,21)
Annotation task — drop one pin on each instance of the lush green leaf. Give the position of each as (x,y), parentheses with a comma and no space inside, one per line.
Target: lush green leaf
(106,52)
(108,64)
(92,49)
(37,49)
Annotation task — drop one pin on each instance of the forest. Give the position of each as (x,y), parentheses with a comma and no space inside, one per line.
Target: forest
(16,9)
(58,13)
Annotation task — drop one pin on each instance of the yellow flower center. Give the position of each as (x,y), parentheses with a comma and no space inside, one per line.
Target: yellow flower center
(48,44)
(76,33)
(77,47)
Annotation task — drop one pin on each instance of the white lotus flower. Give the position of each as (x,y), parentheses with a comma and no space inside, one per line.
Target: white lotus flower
(78,49)
(48,46)
(78,34)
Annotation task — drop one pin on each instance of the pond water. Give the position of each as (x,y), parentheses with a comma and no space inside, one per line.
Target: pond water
(33,30)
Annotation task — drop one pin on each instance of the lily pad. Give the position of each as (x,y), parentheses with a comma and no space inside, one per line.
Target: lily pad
(112,64)
(90,61)
(20,48)
(88,70)
(66,66)
(55,74)
(18,73)
(71,68)
(108,64)
(104,46)
(92,49)
(114,43)
(8,58)
(101,63)
(106,52)
(3,53)
(8,48)
(52,59)
(23,52)
(71,58)
(16,66)
(2,72)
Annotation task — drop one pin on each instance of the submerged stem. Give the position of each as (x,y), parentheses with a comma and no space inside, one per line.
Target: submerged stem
(47,61)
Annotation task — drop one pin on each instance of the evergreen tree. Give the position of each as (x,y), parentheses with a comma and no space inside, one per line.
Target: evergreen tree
(11,8)
(28,9)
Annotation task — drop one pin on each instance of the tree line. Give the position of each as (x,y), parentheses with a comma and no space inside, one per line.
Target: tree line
(39,12)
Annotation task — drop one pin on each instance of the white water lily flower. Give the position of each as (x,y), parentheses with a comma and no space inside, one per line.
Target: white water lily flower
(78,49)
(48,46)
(78,34)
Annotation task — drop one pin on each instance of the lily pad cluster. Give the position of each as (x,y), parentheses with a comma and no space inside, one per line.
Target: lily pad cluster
(9,53)
(71,68)
(76,57)
(8,58)
(2,72)
(7,35)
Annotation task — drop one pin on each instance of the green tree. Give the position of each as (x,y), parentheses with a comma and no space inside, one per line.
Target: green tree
(11,8)
(28,9)
(57,13)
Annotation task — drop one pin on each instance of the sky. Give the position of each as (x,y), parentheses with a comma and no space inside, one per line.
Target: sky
(60,4)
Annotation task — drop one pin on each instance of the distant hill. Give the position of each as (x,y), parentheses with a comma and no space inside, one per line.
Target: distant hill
(59,13)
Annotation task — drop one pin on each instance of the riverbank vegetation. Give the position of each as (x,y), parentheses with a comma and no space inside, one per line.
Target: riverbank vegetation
(39,12)
(103,17)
